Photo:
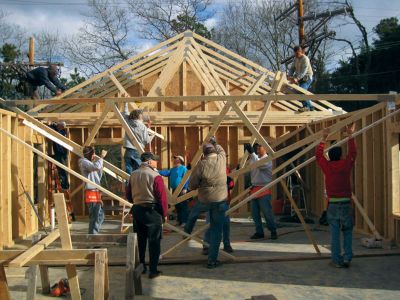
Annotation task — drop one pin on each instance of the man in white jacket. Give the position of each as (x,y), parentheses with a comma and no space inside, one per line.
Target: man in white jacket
(260,177)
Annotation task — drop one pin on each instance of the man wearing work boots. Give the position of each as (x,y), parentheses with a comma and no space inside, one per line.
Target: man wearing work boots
(260,177)
(209,178)
(337,173)
(150,207)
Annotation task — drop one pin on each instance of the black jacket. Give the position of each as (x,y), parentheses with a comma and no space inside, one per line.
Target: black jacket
(40,76)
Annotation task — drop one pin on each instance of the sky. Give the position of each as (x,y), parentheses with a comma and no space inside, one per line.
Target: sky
(66,17)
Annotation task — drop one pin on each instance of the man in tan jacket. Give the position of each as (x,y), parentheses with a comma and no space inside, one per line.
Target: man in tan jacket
(209,178)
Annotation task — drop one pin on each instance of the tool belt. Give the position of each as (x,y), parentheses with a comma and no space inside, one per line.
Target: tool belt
(92,196)
(255,189)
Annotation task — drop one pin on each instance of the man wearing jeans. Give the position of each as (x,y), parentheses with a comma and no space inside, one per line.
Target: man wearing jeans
(301,73)
(337,173)
(260,177)
(209,178)
(92,168)
(135,122)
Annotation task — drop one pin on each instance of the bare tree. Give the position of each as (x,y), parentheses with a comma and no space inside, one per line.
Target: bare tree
(157,17)
(12,33)
(104,39)
(48,46)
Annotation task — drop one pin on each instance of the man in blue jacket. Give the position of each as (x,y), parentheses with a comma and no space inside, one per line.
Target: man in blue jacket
(175,175)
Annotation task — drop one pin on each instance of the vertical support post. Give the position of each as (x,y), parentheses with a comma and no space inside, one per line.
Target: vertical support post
(31,51)
(99,275)
(300,21)
(31,275)
(44,278)
(133,268)
(4,292)
(66,243)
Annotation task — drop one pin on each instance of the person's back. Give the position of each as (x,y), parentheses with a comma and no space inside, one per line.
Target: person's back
(210,177)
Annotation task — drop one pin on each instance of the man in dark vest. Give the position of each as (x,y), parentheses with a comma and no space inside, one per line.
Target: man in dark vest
(47,77)
(146,191)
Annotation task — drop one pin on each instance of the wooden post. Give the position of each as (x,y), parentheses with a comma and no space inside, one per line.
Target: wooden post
(44,278)
(66,243)
(99,275)
(133,281)
(31,53)
(366,218)
(31,275)
(4,292)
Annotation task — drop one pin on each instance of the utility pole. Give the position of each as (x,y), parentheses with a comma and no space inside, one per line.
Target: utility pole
(300,14)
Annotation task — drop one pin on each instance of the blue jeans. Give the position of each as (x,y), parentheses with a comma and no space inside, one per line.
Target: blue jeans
(182,211)
(263,205)
(217,216)
(306,85)
(340,216)
(226,229)
(96,217)
(132,160)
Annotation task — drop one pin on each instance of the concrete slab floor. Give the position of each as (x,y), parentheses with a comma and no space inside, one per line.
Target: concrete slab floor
(368,277)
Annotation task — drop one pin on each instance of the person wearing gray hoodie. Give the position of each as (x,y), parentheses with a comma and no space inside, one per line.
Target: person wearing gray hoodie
(91,167)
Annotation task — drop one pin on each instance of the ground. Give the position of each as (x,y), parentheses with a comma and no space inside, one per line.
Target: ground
(374,277)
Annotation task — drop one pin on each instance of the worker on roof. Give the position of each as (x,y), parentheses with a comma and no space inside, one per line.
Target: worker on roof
(260,177)
(301,73)
(91,167)
(209,178)
(140,130)
(337,173)
(175,175)
(146,191)
(44,76)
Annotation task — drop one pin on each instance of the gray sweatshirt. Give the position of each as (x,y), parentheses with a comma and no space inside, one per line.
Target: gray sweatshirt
(301,69)
(261,175)
(139,130)
(92,170)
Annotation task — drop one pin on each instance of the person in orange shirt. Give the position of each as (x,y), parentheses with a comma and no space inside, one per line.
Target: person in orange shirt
(260,177)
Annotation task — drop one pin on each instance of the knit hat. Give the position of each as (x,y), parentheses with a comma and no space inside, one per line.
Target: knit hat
(208,148)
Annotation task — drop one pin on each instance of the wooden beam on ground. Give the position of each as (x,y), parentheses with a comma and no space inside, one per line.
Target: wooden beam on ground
(66,243)
(24,258)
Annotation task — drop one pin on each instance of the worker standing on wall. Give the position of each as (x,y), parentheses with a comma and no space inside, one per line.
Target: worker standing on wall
(301,73)
(175,175)
(44,76)
(140,130)
(337,173)
(92,168)
(146,191)
(260,177)
(209,178)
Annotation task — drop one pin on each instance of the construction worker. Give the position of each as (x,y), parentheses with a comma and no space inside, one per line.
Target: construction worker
(60,154)
(175,175)
(337,173)
(44,76)
(147,192)
(139,129)
(301,73)
(92,168)
(209,178)
(260,177)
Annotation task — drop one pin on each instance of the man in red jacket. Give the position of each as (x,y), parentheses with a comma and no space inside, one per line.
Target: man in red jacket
(338,189)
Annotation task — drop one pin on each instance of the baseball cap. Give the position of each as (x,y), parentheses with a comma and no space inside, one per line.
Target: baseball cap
(146,156)
(180,158)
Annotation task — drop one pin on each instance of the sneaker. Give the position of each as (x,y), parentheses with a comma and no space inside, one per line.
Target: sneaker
(336,265)
(154,275)
(204,251)
(274,235)
(213,265)
(228,249)
(346,264)
(257,236)
(144,269)
(303,109)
